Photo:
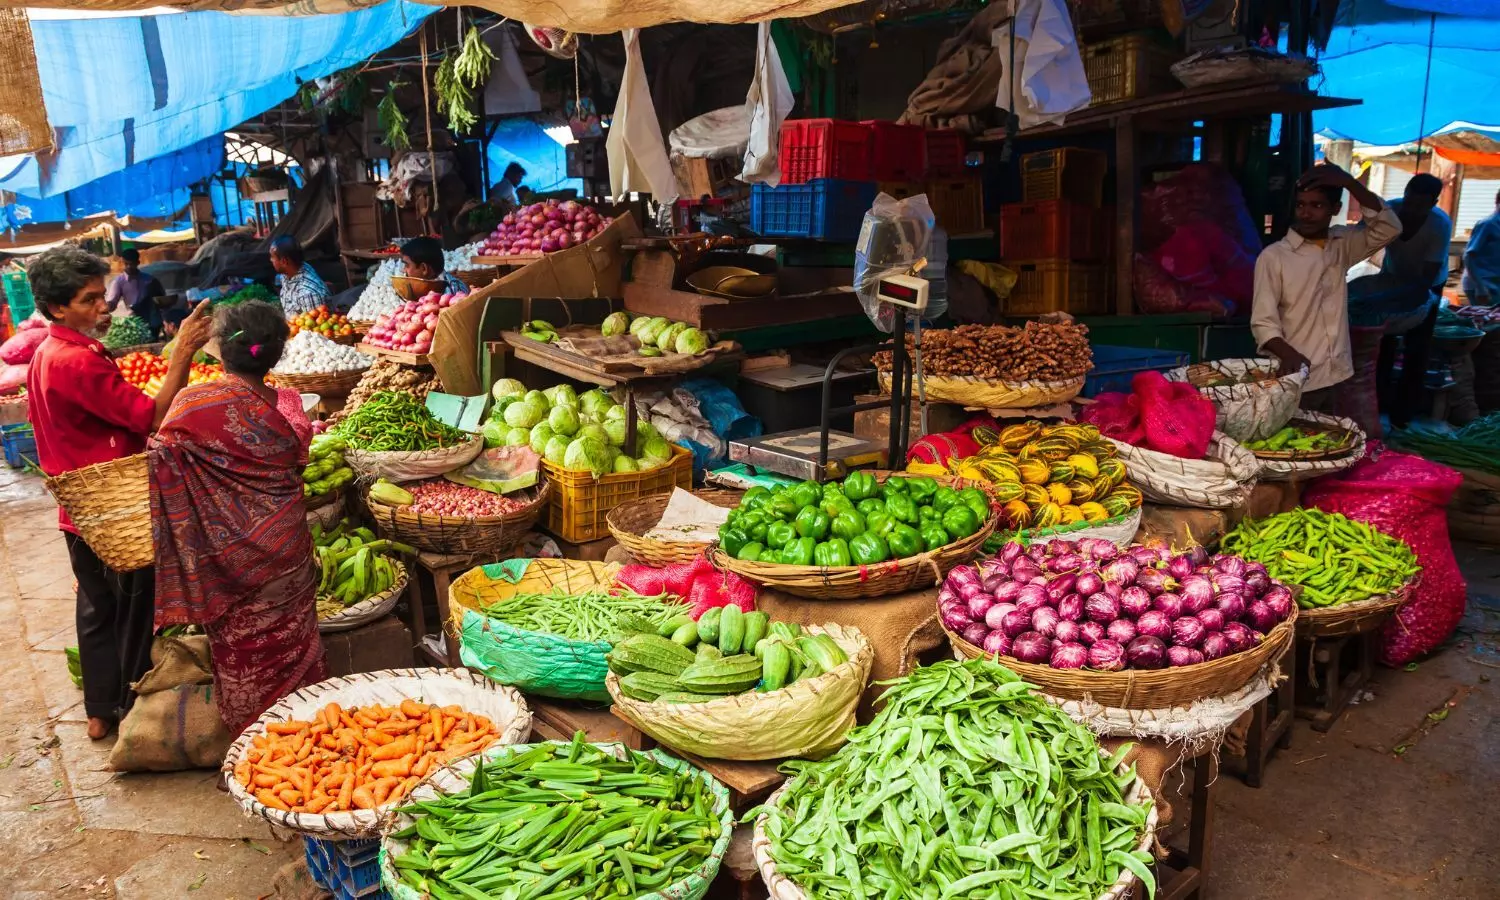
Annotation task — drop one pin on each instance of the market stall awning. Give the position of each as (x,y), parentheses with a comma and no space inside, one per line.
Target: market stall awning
(587,16)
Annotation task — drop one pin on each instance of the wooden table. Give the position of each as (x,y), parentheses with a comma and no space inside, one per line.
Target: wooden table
(1332,671)
(559,720)
(1271,724)
(1182,874)
(430,578)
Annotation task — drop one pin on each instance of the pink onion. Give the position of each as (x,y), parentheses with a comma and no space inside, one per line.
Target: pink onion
(1121,630)
(1145,652)
(1031,647)
(1089,632)
(1188,632)
(1044,621)
(1154,624)
(1024,570)
(1101,608)
(1106,655)
(1216,646)
(1069,656)
(1183,656)
(1016,622)
(963,575)
(956,618)
(997,643)
(1168,603)
(1067,562)
(1279,599)
(1070,608)
(1229,565)
(1256,578)
(1114,589)
(1134,600)
(1099,548)
(979,605)
(997,580)
(1061,586)
(1089,583)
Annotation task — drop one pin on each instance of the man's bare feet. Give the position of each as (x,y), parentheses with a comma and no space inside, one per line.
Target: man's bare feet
(99,729)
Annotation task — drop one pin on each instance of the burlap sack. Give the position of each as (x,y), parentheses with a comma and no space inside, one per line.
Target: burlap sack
(900,629)
(174,724)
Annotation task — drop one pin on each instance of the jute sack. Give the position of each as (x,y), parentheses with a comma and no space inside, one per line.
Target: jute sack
(1221,480)
(174,724)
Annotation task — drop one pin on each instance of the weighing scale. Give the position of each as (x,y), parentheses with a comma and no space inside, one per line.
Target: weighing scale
(822,454)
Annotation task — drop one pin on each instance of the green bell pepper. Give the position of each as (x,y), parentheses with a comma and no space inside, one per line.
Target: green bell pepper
(901,508)
(732,540)
(798,553)
(806,494)
(756,528)
(933,536)
(960,522)
(832,552)
(860,486)
(812,522)
(849,525)
(880,522)
(927,514)
(779,534)
(944,497)
(870,504)
(905,541)
(868,549)
(832,487)
(976,500)
(735,516)
(833,504)
(755,497)
(920,488)
(785,506)
(894,487)
(751,552)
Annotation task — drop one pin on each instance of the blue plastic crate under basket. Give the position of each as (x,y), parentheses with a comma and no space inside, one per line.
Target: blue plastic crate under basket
(1114,367)
(19,442)
(824,209)
(350,870)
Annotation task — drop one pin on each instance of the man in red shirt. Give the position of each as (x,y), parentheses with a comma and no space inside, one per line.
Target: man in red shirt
(85,412)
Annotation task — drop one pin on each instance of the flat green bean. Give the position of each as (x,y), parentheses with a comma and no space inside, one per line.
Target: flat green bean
(591,615)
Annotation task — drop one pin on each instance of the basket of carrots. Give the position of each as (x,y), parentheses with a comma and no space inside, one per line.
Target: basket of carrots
(333,759)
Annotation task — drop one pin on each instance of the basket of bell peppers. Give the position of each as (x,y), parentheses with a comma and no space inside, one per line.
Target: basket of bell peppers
(870,535)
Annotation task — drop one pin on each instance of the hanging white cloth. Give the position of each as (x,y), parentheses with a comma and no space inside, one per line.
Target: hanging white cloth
(508,92)
(637,155)
(1043,79)
(769,101)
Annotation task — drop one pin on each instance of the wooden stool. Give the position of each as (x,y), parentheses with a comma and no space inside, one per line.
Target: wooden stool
(430,578)
(559,720)
(1332,671)
(1183,874)
(1270,726)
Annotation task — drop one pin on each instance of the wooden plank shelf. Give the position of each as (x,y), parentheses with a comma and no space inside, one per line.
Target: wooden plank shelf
(718,314)
(610,374)
(396,356)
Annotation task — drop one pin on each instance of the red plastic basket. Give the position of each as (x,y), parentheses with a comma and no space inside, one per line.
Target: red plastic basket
(1054,229)
(897,152)
(824,148)
(945,153)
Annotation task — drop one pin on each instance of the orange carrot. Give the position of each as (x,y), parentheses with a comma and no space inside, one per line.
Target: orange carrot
(412,709)
(395,749)
(392,767)
(363,799)
(282,728)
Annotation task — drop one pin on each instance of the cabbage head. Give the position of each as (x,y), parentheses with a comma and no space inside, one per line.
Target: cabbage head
(507,387)
(624,463)
(524,414)
(564,420)
(594,432)
(556,450)
(587,453)
(615,324)
(666,341)
(595,402)
(537,397)
(494,433)
(541,433)
(657,449)
(691,340)
(518,437)
(614,432)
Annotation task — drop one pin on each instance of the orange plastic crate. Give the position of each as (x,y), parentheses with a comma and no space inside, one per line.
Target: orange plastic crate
(580,501)
(824,148)
(1067,173)
(1057,285)
(957,204)
(1054,229)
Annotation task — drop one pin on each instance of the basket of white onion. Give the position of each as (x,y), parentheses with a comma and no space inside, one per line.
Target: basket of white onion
(312,363)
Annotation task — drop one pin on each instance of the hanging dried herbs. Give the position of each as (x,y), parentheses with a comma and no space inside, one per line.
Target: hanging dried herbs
(457,78)
(392,120)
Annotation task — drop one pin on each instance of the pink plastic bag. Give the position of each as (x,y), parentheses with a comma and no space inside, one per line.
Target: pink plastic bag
(1405,496)
(18,350)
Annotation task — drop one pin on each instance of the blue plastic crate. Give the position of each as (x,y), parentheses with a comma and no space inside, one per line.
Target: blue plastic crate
(19,442)
(350,870)
(317,862)
(1114,367)
(824,209)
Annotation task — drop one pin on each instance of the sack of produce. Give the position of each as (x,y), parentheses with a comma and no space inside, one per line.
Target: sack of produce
(545,625)
(1252,400)
(1310,445)
(393,435)
(737,686)
(18,349)
(1160,415)
(174,723)
(1089,823)
(1404,496)
(13,378)
(703,586)
(998,367)
(608,840)
(408,723)
(1221,480)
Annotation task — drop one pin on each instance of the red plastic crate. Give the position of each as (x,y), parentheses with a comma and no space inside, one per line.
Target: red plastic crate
(1054,229)
(945,153)
(897,152)
(824,148)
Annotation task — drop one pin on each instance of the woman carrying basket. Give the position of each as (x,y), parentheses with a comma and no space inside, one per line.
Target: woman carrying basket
(84,412)
(233,551)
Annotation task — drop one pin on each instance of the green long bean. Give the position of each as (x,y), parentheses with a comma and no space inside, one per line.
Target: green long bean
(966,784)
(592,615)
(396,421)
(1333,558)
(1474,446)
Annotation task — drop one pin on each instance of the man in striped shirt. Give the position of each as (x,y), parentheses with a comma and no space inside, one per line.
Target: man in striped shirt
(301,288)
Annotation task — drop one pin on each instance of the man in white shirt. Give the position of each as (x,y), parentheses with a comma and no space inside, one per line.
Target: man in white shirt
(1300,310)
(503,195)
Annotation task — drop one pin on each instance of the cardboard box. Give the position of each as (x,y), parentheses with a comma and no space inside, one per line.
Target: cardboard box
(382,644)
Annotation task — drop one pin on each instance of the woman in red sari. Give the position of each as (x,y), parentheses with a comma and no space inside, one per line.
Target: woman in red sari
(233,551)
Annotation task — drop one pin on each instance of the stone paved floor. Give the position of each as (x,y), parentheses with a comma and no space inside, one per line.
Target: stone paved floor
(1341,815)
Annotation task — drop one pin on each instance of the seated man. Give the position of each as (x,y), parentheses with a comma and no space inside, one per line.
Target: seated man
(1300,310)
(301,288)
(423,257)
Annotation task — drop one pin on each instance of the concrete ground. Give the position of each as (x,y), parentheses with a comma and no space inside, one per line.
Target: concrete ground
(1341,815)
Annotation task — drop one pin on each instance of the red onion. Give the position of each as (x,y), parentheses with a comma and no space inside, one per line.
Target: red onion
(1231,605)
(1069,656)
(1216,645)
(997,613)
(1240,636)
(976,633)
(1197,594)
(1256,578)
(1089,632)
(1154,624)
(1065,631)
(1261,617)
(1168,603)
(1188,632)
(1121,630)
(1183,656)
(1044,621)
(1134,600)
(1211,618)
(1031,647)
(1070,608)
(1088,584)
(1101,608)
(997,643)
(1107,655)
(1146,652)
(1016,622)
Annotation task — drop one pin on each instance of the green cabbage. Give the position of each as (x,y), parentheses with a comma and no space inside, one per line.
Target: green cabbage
(556,450)
(562,395)
(518,437)
(639,323)
(644,464)
(587,453)
(645,431)
(615,412)
(541,433)
(524,414)
(658,450)
(691,340)
(649,332)
(497,412)
(666,341)
(594,432)
(614,432)
(507,387)
(494,433)
(537,397)
(595,402)
(564,420)
(615,324)
(624,463)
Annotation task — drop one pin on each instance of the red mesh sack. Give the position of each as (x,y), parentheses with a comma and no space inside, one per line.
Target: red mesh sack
(645,580)
(1176,418)
(937,449)
(1405,496)
(1199,194)
(1156,291)
(1116,416)
(19,349)
(13,378)
(714,589)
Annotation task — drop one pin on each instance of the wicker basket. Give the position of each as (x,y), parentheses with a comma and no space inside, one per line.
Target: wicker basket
(1148,688)
(324,384)
(373,607)
(1352,618)
(864,582)
(984,393)
(478,278)
(120,352)
(460,534)
(110,505)
(630,521)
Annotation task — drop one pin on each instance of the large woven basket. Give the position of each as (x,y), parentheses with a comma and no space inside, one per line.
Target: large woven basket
(1247,411)
(324,384)
(984,393)
(458,687)
(1353,618)
(863,582)
(369,609)
(780,887)
(415,465)
(110,505)
(630,521)
(1148,688)
(460,534)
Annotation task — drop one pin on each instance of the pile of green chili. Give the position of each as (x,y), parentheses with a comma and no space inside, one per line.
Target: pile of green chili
(561,822)
(1334,558)
(591,615)
(1474,446)
(393,420)
(966,784)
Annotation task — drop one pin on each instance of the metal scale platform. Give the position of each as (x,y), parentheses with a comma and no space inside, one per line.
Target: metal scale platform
(821,453)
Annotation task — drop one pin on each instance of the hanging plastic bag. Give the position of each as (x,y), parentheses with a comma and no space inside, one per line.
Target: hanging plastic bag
(770,100)
(894,236)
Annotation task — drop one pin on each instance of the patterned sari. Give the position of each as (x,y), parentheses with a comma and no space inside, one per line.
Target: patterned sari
(233,551)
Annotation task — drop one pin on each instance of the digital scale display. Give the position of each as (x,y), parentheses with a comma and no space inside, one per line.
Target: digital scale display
(909,291)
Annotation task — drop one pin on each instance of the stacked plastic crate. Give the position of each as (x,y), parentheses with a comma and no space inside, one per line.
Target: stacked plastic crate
(1057,239)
